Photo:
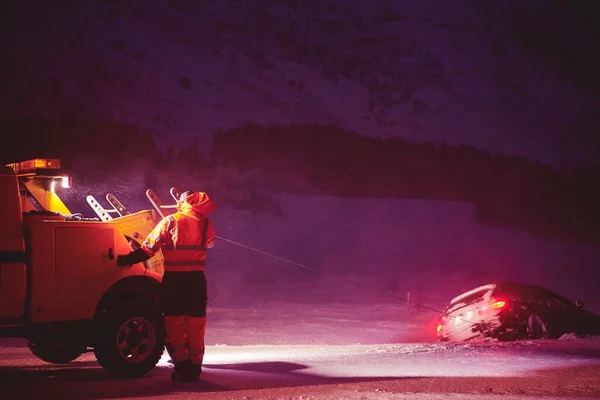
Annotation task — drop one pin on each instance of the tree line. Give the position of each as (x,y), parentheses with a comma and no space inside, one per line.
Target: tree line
(75,135)
(511,192)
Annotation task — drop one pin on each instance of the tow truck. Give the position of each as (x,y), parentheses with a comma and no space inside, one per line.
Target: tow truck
(60,286)
(136,230)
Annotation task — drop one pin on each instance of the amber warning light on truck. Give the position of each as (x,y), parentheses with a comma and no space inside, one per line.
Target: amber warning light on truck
(36,166)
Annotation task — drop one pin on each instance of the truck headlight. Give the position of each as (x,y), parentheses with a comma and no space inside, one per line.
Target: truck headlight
(67,181)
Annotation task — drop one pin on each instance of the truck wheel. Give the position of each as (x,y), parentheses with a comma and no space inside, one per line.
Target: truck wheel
(130,339)
(54,351)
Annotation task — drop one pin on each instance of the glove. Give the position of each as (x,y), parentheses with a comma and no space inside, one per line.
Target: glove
(134,257)
(123,260)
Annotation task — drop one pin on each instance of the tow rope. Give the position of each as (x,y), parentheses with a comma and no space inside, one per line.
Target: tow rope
(318,271)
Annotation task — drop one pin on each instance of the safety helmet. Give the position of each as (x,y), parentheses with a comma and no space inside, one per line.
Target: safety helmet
(184,195)
(200,202)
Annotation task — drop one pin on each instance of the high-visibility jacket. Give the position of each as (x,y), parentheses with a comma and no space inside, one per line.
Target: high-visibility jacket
(185,235)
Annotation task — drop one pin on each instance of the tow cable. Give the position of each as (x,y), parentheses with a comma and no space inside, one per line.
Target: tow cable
(297,264)
(383,292)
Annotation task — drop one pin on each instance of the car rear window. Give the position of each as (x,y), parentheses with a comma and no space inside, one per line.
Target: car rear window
(465,300)
(471,298)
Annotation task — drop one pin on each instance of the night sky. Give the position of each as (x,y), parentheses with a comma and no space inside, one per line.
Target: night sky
(513,78)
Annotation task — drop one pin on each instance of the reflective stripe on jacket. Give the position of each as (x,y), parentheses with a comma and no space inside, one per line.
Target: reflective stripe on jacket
(184,237)
(186,257)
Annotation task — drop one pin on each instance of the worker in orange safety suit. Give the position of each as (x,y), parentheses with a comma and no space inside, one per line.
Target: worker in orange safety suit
(184,237)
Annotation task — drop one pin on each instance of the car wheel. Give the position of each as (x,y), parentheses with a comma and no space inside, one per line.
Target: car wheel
(54,351)
(536,328)
(130,339)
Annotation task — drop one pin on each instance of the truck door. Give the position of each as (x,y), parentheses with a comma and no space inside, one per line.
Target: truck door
(13,276)
(13,271)
(72,265)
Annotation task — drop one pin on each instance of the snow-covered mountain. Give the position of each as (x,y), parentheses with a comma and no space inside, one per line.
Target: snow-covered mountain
(480,73)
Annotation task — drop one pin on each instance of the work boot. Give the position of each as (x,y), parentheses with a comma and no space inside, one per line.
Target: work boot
(183,372)
(195,371)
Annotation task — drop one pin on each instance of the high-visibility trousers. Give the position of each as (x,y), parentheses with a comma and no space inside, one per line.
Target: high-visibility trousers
(184,306)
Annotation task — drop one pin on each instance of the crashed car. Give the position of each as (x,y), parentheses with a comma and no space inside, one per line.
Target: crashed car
(512,311)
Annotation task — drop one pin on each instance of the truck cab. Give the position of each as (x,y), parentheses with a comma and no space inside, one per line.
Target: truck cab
(60,286)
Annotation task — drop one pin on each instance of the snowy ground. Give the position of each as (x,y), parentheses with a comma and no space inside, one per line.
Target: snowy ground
(295,351)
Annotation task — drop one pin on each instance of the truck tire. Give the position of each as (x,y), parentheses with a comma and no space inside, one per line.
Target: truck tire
(54,351)
(130,339)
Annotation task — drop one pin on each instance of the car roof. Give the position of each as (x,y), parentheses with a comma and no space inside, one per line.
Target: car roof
(502,285)
(529,286)
(523,286)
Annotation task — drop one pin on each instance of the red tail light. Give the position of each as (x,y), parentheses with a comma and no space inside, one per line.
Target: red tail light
(498,304)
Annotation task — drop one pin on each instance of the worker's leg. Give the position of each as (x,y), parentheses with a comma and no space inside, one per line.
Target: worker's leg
(174,311)
(196,320)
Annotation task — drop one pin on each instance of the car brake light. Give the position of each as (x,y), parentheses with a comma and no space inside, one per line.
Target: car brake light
(439,328)
(498,304)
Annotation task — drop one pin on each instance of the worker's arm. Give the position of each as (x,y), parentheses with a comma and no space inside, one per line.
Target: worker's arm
(159,236)
(154,241)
